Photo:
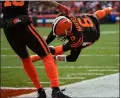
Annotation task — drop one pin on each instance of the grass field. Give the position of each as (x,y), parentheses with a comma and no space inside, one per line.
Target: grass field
(102,58)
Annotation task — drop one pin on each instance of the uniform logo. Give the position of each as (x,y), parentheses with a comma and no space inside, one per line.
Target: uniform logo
(16,20)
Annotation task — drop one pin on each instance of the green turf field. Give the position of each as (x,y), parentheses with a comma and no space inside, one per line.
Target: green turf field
(102,58)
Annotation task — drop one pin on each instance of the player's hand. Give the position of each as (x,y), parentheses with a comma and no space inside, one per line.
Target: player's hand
(108,10)
(63,9)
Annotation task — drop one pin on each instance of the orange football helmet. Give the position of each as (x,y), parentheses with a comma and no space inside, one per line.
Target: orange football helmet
(61,26)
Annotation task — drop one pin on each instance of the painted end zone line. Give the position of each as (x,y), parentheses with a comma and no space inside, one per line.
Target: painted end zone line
(106,86)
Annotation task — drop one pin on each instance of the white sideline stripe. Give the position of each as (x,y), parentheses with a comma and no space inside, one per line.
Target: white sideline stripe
(65,66)
(103,87)
(100,55)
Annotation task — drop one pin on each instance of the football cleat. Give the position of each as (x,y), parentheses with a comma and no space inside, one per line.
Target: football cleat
(59,94)
(41,93)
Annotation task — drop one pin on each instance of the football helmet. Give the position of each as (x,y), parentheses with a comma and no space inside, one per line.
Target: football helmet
(61,26)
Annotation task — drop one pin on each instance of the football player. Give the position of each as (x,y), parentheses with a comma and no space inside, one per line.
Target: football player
(81,32)
(21,34)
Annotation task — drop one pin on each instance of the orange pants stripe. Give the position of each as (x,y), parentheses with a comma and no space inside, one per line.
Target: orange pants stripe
(40,40)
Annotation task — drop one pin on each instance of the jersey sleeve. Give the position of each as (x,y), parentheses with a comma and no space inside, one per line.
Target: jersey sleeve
(66,46)
(74,54)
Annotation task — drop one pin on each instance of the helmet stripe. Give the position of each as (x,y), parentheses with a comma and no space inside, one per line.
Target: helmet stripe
(55,22)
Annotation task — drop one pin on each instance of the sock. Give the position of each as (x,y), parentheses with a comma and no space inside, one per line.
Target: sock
(59,50)
(31,72)
(55,88)
(51,70)
(102,13)
(40,90)
(35,58)
(56,65)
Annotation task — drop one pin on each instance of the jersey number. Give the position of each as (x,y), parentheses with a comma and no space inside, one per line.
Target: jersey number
(14,3)
(86,22)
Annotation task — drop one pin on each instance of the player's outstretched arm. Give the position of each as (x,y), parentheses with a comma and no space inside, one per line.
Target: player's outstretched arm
(102,13)
(62,8)
(69,58)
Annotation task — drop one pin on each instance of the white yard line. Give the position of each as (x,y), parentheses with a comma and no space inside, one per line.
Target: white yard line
(106,86)
(98,70)
(109,32)
(8,55)
(5,49)
(71,78)
(46,82)
(101,48)
(87,74)
(14,88)
(65,66)
(100,55)
(88,55)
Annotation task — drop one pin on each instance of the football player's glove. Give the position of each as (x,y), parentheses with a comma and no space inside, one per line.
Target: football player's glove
(63,9)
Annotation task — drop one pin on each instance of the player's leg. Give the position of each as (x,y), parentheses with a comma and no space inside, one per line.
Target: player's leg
(40,47)
(102,13)
(35,58)
(58,50)
(37,44)
(19,47)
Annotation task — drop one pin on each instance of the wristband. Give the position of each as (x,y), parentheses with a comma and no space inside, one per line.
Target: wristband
(61,57)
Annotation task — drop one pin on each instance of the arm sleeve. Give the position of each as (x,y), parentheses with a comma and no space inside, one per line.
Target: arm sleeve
(73,55)
(50,38)
(66,46)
